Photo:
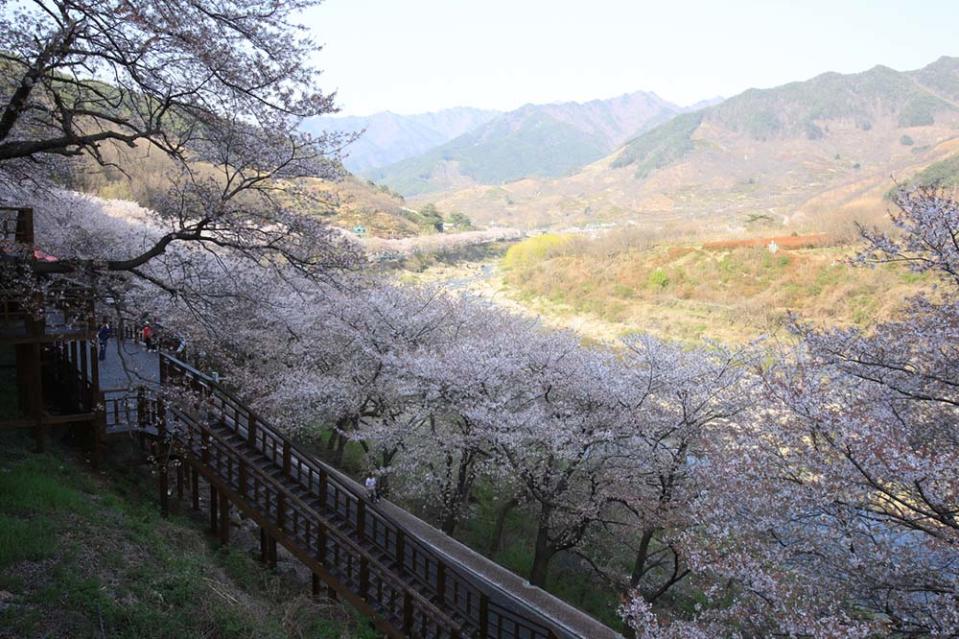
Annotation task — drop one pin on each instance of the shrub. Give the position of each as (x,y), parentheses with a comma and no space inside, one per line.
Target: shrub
(534,249)
(658,279)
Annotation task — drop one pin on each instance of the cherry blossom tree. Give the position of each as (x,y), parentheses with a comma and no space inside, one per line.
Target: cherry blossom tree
(219,87)
(831,511)
(673,399)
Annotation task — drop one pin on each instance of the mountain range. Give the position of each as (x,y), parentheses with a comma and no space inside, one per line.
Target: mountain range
(390,137)
(545,140)
(832,145)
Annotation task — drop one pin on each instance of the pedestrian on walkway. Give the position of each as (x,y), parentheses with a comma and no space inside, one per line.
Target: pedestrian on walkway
(103,336)
(371,492)
(148,336)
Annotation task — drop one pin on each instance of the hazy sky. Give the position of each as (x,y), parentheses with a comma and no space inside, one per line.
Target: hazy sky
(411,56)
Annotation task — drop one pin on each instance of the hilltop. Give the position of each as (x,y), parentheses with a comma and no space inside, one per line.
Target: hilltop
(806,153)
(546,140)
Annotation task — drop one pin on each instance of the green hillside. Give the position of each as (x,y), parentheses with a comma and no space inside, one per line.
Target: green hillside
(802,109)
(944,173)
(540,146)
(799,108)
(941,77)
(661,146)
(86,554)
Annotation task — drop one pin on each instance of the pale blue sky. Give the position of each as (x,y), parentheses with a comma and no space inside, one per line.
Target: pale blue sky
(410,56)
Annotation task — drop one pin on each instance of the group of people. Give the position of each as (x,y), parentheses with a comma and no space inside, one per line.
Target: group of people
(147,333)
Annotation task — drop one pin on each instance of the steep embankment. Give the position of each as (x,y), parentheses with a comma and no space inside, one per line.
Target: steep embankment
(767,152)
(86,554)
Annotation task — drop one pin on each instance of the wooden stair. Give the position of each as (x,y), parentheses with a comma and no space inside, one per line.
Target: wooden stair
(406,584)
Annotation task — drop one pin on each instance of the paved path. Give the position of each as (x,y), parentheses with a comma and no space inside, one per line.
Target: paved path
(128,365)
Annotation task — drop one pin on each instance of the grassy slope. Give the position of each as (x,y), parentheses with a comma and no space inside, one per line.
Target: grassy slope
(82,555)
(686,292)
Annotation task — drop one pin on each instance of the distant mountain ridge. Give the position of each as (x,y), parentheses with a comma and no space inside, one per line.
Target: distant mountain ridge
(545,140)
(389,137)
(819,147)
(799,109)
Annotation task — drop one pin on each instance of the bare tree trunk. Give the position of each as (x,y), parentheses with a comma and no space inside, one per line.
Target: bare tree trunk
(542,552)
(639,566)
(496,539)
(340,449)
(461,494)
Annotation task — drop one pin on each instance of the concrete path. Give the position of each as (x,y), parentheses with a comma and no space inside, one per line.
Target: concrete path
(128,365)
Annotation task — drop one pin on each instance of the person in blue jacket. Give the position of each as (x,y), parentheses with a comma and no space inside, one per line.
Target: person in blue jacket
(103,335)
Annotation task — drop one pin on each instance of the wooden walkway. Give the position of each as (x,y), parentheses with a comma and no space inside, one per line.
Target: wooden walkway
(408,577)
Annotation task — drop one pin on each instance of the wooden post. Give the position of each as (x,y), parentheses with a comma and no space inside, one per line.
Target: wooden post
(400,550)
(242,478)
(24,230)
(163,456)
(251,430)
(141,415)
(280,510)
(195,484)
(224,518)
(286,458)
(361,520)
(179,481)
(364,578)
(441,582)
(99,426)
(35,396)
(321,543)
(267,548)
(321,488)
(408,615)
(316,586)
(484,615)
(213,508)
(164,476)
(94,369)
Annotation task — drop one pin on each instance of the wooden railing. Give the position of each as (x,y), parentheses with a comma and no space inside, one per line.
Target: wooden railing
(16,225)
(71,369)
(405,579)
(304,530)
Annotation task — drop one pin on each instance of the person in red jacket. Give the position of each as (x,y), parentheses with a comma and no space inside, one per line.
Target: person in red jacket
(148,336)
